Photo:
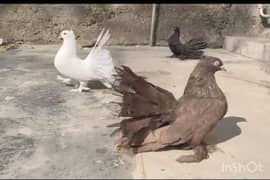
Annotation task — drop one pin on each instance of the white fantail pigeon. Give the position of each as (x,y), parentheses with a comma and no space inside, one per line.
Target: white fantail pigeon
(98,65)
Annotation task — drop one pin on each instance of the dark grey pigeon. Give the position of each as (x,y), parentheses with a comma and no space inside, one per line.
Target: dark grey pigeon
(190,50)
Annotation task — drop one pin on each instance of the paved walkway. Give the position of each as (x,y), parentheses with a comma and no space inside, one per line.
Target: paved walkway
(49,132)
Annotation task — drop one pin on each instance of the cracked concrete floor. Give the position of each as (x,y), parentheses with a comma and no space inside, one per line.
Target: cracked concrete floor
(46,131)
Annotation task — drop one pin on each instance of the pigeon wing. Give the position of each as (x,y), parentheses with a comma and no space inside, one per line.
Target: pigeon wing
(194,117)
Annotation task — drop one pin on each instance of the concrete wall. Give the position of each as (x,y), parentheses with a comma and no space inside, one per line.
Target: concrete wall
(210,21)
(129,23)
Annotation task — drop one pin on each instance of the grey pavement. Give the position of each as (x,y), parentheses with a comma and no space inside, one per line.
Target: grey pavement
(47,131)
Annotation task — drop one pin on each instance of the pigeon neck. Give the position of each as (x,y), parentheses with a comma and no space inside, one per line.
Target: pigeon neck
(202,84)
(69,45)
(174,38)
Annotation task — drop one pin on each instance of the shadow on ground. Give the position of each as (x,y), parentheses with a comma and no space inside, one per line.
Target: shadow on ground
(93,84)
(225,130)
(96,85)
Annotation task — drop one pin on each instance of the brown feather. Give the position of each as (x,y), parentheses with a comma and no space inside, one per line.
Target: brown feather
(141,98)
(145,103)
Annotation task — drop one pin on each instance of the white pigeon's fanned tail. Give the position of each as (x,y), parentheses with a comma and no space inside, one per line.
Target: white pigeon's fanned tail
(101,41)
(100,60)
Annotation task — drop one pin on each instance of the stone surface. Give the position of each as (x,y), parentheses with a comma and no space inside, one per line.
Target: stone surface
(46,131)
(253,47)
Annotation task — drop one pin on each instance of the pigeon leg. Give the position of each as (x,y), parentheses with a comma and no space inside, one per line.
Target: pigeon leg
(200,154)
(82,87)
(67,81)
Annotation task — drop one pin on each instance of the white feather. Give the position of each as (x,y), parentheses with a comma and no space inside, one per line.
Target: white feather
(98,65)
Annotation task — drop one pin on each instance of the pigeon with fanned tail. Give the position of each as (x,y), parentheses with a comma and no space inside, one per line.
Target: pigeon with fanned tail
(153,119)
(190,50)
(98,65)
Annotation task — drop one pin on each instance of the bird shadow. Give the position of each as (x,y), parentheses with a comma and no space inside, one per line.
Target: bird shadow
(225,130)
(96,85)
(92,84)
(187,59)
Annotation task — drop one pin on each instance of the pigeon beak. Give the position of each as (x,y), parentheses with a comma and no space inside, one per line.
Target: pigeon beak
(223,69)
(59,37)
(77,37)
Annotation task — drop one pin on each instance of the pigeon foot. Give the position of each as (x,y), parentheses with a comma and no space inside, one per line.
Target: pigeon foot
(200,154)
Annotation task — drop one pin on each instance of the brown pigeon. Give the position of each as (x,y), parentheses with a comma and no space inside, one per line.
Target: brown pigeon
(157,120)
(189,50)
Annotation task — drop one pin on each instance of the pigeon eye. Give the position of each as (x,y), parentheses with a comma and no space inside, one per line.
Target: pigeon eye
(216,63)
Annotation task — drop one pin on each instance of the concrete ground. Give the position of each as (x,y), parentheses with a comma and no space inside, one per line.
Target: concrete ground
(46,131)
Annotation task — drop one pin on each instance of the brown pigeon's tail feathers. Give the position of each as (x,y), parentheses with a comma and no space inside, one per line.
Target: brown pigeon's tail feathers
(147,106)
(141,98)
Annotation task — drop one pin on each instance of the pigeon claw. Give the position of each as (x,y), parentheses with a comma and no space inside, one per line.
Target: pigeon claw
(200,154)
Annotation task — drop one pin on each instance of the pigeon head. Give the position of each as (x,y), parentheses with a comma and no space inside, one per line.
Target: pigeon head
(211,64)
(202,81)
(67,34)
(176,29)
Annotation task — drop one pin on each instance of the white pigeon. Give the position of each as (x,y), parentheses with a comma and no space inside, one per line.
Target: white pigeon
(98,65)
